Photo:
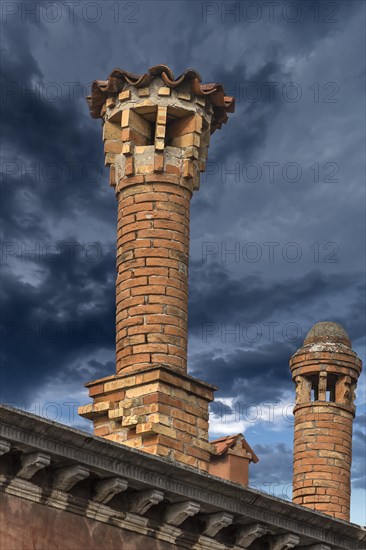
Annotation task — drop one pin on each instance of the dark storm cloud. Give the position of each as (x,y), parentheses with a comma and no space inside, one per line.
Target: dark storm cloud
(250,376)
(58,314)
(245,330)
(273,472)
(257,114)
(28,112)
(318,20)
(52,162)
(258,92)
(58,295)
(49,324)
(218,296)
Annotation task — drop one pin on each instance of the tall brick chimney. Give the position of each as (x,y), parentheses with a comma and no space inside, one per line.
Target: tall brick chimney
(325,371)
(156,133)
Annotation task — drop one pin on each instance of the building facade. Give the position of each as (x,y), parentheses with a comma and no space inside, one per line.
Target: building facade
(149,477)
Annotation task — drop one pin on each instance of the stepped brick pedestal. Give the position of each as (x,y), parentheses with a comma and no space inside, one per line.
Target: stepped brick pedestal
(158,411)
(156,133)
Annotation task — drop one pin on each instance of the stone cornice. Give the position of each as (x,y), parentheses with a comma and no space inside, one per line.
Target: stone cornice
(65,445)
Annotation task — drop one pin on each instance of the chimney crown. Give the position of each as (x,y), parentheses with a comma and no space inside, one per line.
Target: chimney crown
(120,79)
(327,332)
(157,128)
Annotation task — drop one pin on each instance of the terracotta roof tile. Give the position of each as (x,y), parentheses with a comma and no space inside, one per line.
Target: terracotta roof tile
(223,444)
(221,103)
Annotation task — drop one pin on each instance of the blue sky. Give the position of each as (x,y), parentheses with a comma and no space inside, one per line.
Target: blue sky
(278,225)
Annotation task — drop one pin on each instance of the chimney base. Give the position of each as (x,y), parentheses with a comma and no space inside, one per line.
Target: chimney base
(157,411)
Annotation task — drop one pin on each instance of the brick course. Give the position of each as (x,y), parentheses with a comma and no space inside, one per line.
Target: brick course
(163,289)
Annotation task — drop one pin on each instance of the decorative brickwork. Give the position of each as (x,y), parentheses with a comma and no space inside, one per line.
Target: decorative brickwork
(325,371)
(156,135)
(157,410)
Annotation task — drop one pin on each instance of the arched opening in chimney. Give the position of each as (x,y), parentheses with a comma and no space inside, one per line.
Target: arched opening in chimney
(314,396)
(331,387)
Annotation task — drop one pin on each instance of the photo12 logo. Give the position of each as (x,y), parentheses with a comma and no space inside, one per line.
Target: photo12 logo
(272,172)
(270,252)
(53,251)
(251,412)
(66,412)
(50,172)
(289,92)
(50,332)
(271,11)
(252,333)
(69,11)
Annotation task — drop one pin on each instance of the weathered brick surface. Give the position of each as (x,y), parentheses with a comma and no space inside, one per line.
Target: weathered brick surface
(325,373)
(148,294)
(157,411)
(155,142)
(322,462)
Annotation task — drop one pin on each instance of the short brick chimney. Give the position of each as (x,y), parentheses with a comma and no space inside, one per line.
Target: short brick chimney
(325,371)
(156,133)
(232,458)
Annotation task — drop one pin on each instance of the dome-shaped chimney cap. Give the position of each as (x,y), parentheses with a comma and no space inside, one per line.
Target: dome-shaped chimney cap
(329,332)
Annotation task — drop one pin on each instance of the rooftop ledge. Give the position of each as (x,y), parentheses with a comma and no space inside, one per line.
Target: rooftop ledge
(60,445)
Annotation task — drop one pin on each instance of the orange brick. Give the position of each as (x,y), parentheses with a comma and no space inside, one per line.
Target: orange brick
(135,226)
(143,309)
(111,146)
(162,178)
(158,162)
(140,207)
(186,459)
(168,360)
(198,453)
(102,431)
(136,358)
(143,329)
(149,252)
(184,427)
(148,289)
(127,182)
(171,169)
(185,417)
(162,262)
(116,395)
(171,443)
(95,390)
(150,348)
(151,196)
